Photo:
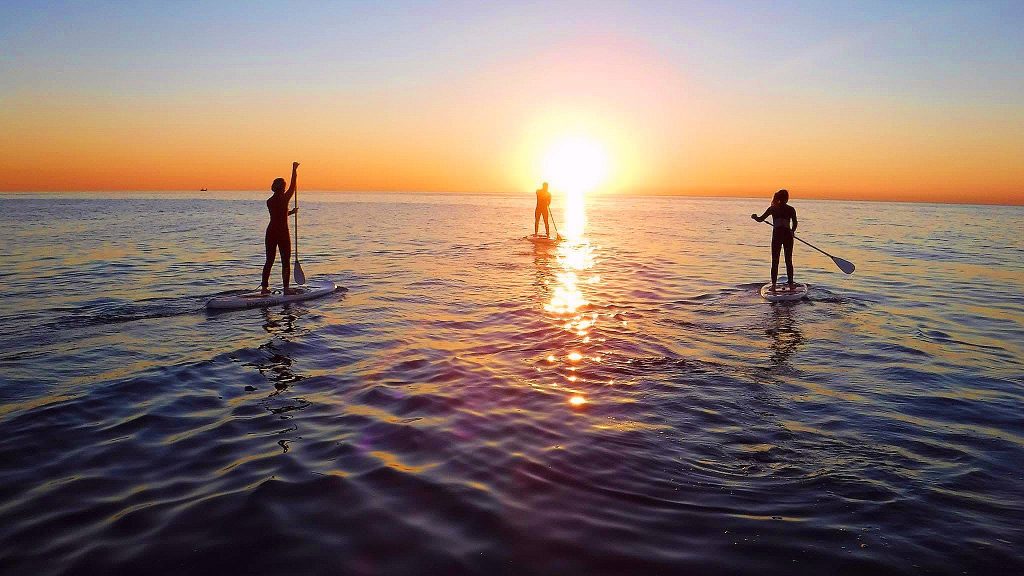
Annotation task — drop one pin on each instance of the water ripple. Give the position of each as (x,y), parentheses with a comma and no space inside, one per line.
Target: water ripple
(623,403)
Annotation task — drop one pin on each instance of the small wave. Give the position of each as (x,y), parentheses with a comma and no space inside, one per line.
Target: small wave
(105,312)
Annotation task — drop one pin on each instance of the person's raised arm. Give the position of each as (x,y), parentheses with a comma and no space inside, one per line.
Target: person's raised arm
(762,216)
(291,187)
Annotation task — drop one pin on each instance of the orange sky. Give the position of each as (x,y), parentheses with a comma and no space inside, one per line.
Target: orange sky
(472,117)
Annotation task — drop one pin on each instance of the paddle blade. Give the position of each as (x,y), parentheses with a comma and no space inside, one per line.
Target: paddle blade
(844,265)
(300,276)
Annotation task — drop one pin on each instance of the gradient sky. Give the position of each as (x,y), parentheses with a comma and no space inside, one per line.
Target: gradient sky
(888,100)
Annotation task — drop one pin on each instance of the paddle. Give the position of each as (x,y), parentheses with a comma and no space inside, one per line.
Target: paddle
(300,276)
(844,265)
(552,215)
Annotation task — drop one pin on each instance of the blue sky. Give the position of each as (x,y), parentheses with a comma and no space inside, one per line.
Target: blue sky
(940,59)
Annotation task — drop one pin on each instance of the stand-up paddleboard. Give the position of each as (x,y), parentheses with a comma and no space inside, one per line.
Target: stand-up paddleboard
(543,240)
(783,293)
(314,289)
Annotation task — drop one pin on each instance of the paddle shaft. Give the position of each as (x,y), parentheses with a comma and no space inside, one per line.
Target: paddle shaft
(552,215)
(802,240)
(297,273)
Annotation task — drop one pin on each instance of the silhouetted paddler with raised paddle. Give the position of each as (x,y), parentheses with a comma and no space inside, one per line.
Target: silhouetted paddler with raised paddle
(277,237)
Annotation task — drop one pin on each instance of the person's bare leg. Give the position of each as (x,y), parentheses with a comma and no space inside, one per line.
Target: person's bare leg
(271,252)
(789,262)
(286,264)
(776,248)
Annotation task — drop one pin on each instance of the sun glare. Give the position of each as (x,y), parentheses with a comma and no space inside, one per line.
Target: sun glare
(576,165)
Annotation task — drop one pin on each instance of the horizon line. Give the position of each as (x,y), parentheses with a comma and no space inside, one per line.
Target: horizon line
(971,202)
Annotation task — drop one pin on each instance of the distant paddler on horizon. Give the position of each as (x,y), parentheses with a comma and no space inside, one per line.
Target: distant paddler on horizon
(543,210)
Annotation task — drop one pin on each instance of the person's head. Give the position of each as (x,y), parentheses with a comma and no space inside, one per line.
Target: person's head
(278,186)
(544,186)
(781,197)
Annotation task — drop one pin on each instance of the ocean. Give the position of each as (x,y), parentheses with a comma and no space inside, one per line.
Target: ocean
(624,403)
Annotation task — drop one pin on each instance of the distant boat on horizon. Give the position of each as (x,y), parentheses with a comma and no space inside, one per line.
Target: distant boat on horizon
(202,190)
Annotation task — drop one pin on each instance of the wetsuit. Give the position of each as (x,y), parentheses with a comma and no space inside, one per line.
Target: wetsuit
(543,206)
(278,237)
(782,238)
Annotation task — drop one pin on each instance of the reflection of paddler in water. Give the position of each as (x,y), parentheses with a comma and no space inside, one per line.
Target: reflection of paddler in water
(278,366)
(543,259)
(785,335)
(543,209)
(278,237)
(782,233)
(279,322)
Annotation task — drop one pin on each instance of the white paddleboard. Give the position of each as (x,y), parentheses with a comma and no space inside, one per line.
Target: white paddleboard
(783,293)
(543,240)
(314,289)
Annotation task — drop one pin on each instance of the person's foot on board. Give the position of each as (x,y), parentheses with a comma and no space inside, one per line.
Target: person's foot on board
(291,291)
(264,291)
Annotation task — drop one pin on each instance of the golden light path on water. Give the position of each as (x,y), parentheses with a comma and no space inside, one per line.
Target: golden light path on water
(568,302)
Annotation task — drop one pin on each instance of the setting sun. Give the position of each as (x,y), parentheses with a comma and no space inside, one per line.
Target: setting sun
(575,164)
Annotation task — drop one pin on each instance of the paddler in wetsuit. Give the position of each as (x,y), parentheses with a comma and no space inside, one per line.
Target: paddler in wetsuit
(783,228)
(543,209)
(278,237)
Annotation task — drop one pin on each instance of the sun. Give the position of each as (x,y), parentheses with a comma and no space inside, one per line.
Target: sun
(575,164)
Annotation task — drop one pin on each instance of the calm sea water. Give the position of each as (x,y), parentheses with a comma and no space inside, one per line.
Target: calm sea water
(624,404)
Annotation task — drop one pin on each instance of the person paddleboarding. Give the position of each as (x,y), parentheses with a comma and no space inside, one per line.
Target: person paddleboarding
(543,209)
(783,229)
(278,238)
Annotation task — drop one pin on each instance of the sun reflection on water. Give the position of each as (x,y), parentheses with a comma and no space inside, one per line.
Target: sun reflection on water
(569,305)
(566,297)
